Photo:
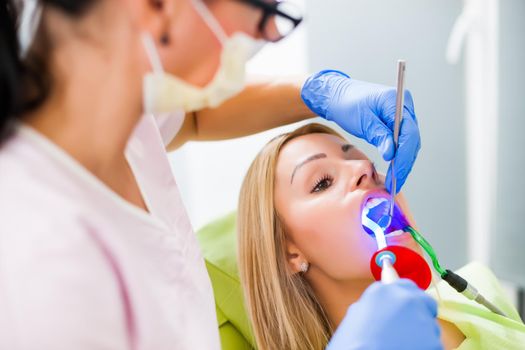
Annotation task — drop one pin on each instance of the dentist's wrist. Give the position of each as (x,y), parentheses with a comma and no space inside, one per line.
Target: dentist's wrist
(320,89)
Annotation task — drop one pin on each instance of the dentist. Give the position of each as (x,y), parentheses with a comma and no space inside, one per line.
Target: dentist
(96,249)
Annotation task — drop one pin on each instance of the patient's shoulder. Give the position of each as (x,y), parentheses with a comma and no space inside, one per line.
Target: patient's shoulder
(478,273)
(482,328)
(485,281)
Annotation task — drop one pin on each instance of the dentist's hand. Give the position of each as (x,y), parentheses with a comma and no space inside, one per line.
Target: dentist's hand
(389,316)
(367,111)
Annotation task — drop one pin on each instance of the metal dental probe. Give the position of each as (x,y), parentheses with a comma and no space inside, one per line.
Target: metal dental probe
(386,220)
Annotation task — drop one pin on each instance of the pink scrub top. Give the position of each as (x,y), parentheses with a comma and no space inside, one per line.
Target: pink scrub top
(81,268)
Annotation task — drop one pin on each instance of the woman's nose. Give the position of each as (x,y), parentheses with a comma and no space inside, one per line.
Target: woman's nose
(363,175)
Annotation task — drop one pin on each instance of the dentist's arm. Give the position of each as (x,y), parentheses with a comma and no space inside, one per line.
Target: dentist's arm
(259,107)
(363,109)
(389,316)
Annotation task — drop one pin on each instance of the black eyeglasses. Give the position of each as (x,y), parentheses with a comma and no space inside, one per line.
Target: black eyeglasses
(279,18)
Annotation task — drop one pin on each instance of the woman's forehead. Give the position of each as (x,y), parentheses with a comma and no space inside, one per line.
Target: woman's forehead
(310,144)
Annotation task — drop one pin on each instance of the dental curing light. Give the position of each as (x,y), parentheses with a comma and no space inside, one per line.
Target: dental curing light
(383,259)
(390,263)
(407,263)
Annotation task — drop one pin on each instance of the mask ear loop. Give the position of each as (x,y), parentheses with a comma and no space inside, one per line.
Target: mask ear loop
(154,60)
(152,53)
(210,20)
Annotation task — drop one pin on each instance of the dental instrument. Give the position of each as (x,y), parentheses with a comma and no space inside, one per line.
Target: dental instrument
(406,263)
(386,259)
(386,220)
(389,263)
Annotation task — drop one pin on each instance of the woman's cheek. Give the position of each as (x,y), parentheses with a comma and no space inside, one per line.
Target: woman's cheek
(353,257)
(329,234)
(349,246)
(341,260)
(336,245)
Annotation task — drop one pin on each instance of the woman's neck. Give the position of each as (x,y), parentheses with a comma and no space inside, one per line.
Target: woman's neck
(336,296)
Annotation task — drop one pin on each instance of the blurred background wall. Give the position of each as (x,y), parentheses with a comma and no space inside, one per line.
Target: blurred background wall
(466,189)
(508,239)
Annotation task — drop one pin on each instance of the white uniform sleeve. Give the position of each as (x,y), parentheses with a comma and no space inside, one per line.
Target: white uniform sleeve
(57,289)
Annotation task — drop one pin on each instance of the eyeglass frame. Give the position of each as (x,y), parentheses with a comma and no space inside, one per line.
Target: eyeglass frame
(270,9)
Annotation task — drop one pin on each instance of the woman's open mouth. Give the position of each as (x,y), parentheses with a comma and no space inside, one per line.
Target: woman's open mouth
(378,207)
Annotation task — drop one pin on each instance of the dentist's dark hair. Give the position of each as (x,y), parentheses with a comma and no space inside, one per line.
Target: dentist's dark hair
(25,82)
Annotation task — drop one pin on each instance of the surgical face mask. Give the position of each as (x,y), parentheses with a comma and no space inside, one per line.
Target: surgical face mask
(164,92)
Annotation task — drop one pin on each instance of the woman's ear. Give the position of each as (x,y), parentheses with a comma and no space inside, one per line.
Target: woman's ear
(296,260)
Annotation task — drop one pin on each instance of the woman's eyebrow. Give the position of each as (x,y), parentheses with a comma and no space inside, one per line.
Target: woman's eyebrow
(309,159)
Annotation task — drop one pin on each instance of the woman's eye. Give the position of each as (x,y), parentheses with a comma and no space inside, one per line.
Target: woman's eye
(322,184)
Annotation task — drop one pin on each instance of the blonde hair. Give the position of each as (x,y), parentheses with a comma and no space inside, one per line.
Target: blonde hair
(282,306)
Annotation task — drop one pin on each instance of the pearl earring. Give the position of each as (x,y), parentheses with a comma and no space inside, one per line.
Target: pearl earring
(304,266)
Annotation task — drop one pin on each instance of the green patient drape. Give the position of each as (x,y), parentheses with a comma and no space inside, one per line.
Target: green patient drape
(218,244)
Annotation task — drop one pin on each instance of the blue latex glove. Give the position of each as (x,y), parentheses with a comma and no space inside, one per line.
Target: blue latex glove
(367,111)
(390,316)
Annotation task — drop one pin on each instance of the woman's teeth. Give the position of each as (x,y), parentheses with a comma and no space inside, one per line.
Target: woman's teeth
(373,211)
(374,202)
(395,233)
